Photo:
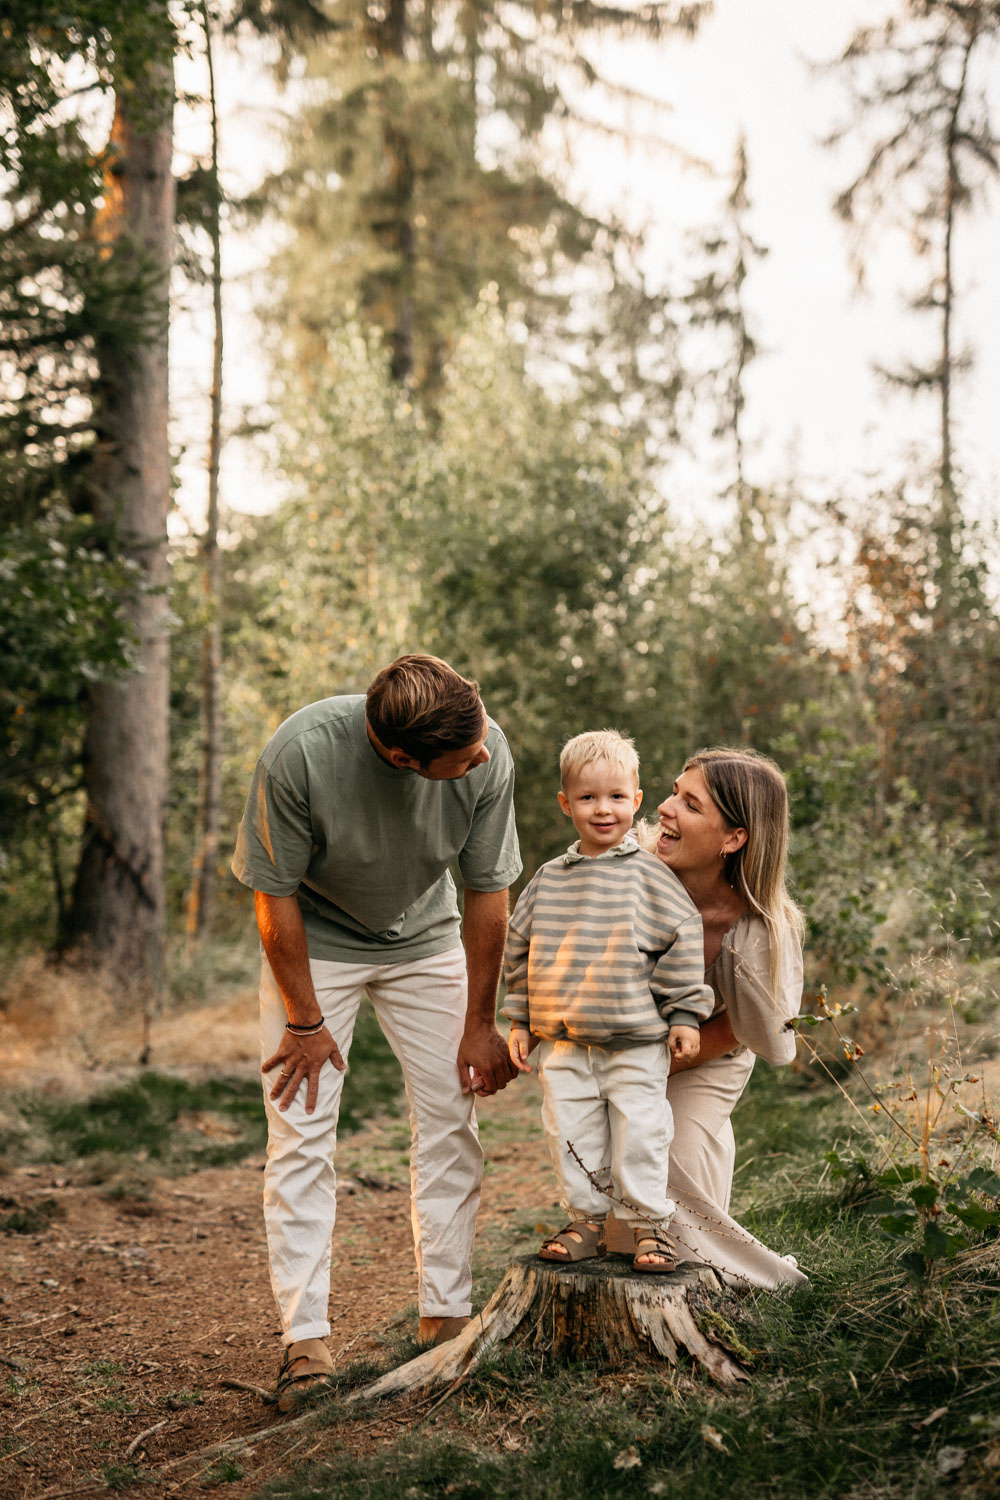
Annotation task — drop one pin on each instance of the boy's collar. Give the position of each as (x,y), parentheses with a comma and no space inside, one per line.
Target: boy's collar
(629,845)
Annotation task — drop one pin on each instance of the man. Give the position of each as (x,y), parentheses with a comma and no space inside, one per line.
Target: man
(357,809)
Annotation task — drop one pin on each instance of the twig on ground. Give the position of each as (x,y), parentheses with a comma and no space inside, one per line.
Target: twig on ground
(141,1437)
(244,1385)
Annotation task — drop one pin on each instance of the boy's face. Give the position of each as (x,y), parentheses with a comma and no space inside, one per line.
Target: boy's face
(602,800)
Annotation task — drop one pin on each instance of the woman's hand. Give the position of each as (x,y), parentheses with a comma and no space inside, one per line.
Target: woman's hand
(520,1045)
(302,1057)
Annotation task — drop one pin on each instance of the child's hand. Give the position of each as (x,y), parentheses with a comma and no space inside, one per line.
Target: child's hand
(519,1046)
(684,1042)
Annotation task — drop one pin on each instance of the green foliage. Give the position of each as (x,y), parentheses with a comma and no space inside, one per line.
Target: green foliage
(124,1477)
(60,292)
(224,1471)
(841,881)
(521,538)
(61,627)
(925,637)
(63,593)
(933,1189)
(939,1214)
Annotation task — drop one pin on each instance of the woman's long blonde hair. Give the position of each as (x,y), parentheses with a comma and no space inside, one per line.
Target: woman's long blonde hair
(749,791)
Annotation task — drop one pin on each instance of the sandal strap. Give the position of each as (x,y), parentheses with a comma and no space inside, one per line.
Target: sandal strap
(579,1227)
(288,1374)
(656,1236)
(588,1237)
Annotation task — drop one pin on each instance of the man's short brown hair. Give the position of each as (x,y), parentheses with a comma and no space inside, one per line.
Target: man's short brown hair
(420,705)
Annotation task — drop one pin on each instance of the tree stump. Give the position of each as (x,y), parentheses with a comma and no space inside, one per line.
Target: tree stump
(600,1306)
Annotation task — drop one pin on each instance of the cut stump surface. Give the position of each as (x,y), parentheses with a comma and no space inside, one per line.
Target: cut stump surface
(599,1306)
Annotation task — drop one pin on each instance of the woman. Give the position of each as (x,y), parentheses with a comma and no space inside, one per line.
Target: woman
(724,832)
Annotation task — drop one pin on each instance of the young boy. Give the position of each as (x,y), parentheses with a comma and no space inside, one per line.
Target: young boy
(604,961)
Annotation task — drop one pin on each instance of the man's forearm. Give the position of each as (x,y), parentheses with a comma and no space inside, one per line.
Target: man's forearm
(484,931)
(283,935)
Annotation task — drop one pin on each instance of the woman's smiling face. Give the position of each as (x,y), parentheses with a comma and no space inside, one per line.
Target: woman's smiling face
(693,832)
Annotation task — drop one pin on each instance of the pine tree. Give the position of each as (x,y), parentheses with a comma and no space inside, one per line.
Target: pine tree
(416,178)
(84,286)
(919,89)
(920,105)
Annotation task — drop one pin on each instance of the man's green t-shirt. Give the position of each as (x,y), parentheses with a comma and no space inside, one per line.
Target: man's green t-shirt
(367,847)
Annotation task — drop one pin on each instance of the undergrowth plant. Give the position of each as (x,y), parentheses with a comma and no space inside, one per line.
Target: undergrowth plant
(928,1173)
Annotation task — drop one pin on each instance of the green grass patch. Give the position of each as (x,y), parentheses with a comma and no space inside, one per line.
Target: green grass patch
(29,1218)
(153,1117)
(123,1477)
(168,1124)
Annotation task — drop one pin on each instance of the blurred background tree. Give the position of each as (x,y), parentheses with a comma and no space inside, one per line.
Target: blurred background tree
(85,260)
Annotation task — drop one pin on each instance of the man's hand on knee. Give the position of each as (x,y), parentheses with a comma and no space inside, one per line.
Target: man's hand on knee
(484,1064)
(302,1057)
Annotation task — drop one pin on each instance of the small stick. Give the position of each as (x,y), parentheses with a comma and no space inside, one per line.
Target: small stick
(137,1442)
(255,1390)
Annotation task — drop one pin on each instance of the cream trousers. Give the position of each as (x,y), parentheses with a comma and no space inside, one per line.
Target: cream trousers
(612,1108)
(421,1009)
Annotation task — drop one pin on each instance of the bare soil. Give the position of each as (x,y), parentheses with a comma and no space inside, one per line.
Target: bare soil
(130,1315)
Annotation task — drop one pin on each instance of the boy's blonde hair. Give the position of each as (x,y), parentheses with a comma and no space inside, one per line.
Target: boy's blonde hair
(598,744)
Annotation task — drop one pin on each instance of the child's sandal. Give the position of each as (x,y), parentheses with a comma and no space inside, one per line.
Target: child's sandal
(653,1239)
(580,1240)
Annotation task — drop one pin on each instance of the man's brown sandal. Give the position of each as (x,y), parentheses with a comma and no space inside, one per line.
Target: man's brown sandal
(580,1240)
(304,1367)
(651,1239)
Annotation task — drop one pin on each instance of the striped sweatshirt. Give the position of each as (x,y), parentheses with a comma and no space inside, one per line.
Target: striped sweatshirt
(607,952)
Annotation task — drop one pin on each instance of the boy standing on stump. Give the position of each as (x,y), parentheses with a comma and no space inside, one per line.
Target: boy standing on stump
(604,964)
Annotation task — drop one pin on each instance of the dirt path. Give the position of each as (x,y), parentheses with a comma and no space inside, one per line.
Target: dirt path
(128,1314)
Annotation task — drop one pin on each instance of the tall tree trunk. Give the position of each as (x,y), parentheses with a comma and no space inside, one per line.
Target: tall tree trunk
(391,36)
(952,194)
(201,903)
(117,910)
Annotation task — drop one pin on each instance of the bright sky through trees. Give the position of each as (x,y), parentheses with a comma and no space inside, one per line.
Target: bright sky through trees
(816,411)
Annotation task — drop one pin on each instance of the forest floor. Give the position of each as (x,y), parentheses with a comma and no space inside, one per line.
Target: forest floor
(134,1296)
(131,1310)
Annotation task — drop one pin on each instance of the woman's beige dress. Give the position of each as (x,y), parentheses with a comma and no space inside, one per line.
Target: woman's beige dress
(703,1098)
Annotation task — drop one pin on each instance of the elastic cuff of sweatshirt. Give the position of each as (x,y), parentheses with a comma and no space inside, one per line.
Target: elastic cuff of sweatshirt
(683,1018)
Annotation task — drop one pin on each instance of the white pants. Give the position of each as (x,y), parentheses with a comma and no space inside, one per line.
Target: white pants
(421,1009)
(612,1107)
(701,1178)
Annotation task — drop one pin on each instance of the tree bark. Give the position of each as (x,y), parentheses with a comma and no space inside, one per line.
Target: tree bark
(117,911)
(201,902)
